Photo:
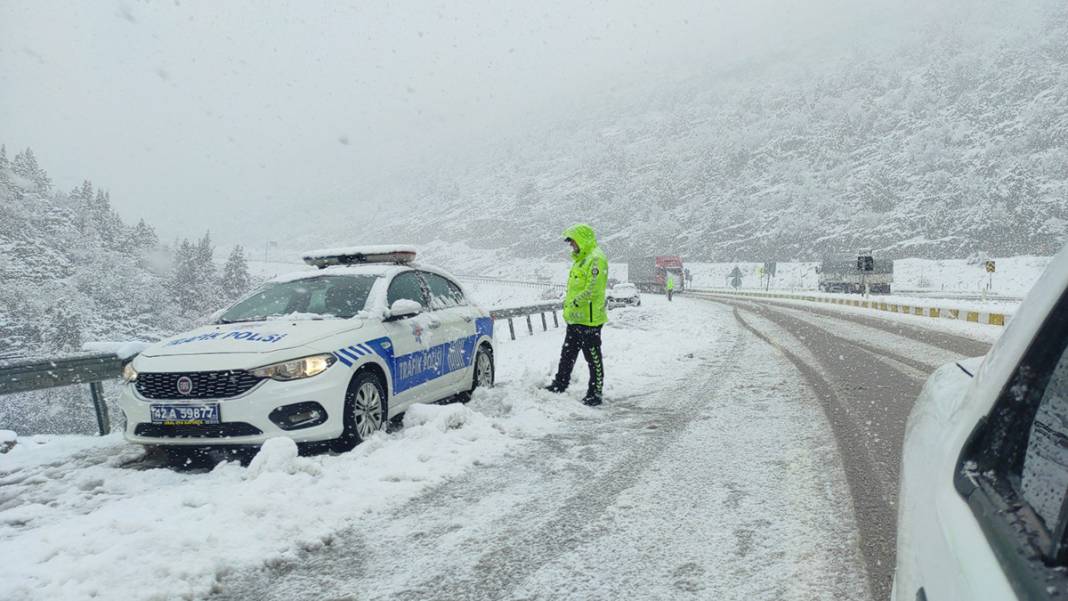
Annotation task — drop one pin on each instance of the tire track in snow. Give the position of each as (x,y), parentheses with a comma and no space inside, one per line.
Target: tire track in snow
(867,392)
(568,515)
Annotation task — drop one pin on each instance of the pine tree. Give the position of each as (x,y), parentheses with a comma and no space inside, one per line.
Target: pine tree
(5,165)
(105,219)
(206,279)
(25,164)
(142,236)
(235,278)
(183,284)
(83,197)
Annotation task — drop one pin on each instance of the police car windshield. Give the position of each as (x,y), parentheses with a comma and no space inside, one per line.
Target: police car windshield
(309,298)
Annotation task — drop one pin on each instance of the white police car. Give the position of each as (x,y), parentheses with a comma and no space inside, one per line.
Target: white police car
(325,355)
(983,511)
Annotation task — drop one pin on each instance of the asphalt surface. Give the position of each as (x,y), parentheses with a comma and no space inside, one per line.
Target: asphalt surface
(866,373)
(723,483)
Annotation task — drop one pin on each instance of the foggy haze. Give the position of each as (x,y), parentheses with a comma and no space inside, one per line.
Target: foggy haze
(255,113)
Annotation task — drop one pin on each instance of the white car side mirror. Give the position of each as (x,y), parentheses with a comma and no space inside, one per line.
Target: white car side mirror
(403,307)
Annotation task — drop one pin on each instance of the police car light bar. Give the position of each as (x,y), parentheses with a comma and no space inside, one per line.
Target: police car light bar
(356,255)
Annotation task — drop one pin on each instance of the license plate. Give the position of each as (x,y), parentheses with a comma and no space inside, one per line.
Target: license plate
(185,415)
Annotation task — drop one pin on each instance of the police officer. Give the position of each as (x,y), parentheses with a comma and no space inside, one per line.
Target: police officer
(584,312)
(670,285)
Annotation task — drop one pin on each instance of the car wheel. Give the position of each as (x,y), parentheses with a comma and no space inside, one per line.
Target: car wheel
(482,376)
(484,370)
(366,409)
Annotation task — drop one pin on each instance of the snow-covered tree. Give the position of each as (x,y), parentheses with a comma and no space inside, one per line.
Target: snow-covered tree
(141,237)
(193,284)
(25,164)
(5,166)
(205,261)
(235,279)
(106,221)
(184,283)
(63,329)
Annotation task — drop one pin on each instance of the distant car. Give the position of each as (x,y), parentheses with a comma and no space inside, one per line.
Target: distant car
(624,294)
(983,510)
(327,355)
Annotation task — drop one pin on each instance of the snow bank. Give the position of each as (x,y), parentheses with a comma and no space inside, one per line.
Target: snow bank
(122,350)
(79,511)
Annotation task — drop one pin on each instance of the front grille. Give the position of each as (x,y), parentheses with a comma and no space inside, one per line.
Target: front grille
(223,430)
(205,384)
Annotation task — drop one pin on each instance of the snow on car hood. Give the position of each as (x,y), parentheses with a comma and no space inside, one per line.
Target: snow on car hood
(944,393)
(250,337)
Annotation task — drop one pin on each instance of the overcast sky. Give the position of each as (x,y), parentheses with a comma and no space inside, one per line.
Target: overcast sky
(202,113)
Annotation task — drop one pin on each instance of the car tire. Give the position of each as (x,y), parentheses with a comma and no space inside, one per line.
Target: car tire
(366,408)
(485,370)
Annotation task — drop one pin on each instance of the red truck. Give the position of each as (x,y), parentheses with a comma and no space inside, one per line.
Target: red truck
(650,274)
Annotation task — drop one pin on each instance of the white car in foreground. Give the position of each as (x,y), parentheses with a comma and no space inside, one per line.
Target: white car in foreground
(983,510)
(325,355)
(624,294)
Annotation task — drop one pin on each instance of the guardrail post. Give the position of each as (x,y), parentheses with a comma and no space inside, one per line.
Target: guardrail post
(530,326)
(103,422)
(556,324)
(544,326)
(511,328)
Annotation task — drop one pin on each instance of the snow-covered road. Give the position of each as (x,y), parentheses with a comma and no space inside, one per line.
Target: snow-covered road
(867,371)
(712,472)
(719,480)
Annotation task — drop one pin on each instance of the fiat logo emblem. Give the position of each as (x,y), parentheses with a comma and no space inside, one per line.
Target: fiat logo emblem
(185,385)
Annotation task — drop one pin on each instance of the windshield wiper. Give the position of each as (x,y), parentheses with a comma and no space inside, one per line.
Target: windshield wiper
(228,321)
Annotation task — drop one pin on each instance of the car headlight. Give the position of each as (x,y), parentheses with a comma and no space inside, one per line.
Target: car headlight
(305,367)
(129,374)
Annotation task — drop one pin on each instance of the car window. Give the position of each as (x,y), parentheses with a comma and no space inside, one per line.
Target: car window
(326,296)
(443,293)
(406,285)
(1044,478)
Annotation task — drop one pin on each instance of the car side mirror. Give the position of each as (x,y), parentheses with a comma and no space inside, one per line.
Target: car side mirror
(403,307)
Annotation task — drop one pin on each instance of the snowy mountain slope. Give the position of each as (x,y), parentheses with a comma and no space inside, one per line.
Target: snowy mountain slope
(937,135)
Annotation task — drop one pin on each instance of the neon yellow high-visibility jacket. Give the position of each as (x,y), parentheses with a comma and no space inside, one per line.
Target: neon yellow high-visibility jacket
(584,303)
(670,282)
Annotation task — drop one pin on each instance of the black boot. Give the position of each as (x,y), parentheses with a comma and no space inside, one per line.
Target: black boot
(592,400)
(556,388)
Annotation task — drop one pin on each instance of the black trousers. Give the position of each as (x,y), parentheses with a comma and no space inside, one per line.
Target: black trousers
(588,340)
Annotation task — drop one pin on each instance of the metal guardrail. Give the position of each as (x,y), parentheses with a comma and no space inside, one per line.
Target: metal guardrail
(521,283)
(528,311)
(25,375)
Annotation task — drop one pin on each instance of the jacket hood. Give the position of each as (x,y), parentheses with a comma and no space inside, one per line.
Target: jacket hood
(583,235)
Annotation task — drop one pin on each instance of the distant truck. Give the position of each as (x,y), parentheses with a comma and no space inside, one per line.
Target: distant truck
(650,274)
(851,276)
